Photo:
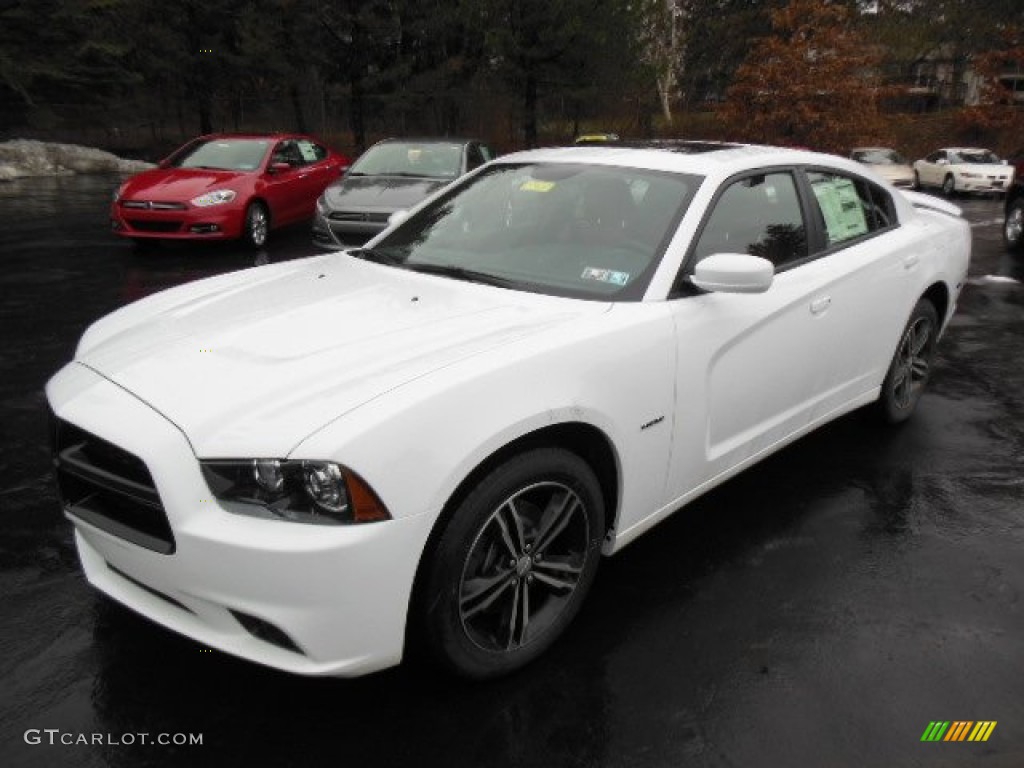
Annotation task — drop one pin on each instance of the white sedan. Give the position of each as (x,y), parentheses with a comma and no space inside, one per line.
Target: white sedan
(431,442)
(963,169)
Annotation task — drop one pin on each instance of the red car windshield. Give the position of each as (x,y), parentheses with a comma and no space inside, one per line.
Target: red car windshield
(223,155)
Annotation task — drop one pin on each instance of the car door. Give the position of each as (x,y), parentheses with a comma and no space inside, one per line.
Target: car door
(747,369)
(316,173)
(283,183)
(932,169)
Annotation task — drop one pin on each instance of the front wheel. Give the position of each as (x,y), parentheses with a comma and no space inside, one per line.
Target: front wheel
(911,365)
(917,181)
(1013,229)
(257,225)
(513,564)
(949,186)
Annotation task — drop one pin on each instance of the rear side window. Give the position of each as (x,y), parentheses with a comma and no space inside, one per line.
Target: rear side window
(849,207)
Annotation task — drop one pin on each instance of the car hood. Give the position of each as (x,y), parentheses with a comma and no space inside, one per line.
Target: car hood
(380,192)
(178,184)
(252,364)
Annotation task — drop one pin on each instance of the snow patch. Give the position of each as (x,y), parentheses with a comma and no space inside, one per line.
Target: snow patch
(26,157)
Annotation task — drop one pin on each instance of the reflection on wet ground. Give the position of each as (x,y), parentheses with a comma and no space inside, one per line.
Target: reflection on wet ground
(820,609)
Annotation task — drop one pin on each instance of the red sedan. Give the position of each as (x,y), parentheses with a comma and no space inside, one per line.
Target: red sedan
(225,187)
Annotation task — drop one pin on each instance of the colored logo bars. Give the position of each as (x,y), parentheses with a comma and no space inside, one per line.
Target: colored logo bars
(958,730)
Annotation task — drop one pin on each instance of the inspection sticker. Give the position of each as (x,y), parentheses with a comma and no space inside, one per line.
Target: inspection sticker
(536,185)
(606,275)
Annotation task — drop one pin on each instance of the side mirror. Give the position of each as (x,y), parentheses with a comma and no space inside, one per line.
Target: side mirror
(733,273)
(398,217)
(278,168)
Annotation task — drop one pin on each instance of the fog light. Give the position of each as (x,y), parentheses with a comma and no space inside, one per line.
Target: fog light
(325,485)
(204,229)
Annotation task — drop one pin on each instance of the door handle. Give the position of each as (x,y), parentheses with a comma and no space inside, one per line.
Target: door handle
(820,305)
(911,261)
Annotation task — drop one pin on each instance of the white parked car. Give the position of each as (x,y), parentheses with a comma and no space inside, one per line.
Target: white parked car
(887,163)
(434,440)
(963,169)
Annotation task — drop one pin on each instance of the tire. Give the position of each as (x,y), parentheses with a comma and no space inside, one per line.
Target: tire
(911,365)
(1013,228)
(257,225)
(949,186)
(917,181)
(524,543)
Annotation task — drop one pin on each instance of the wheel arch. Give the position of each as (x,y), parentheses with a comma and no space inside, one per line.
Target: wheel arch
(585,440)
(938,294)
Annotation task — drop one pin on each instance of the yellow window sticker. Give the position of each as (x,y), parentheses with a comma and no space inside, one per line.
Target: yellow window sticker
(536,185)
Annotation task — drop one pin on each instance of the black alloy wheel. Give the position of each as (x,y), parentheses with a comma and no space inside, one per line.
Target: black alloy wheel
(513,564)
(1013,228)
(911,366)
(257,225)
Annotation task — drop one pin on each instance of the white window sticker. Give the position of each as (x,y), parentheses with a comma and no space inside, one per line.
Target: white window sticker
(606,275)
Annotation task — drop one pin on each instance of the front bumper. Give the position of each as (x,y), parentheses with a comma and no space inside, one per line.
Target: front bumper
(216,222)
(988,185)
(311,600)
(337,233)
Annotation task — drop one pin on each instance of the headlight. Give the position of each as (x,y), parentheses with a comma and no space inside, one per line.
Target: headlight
(317,492)
(216,197)
(118,191)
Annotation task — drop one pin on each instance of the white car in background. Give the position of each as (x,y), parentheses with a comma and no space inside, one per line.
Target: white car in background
(963,169)
(434,440)
(887,163)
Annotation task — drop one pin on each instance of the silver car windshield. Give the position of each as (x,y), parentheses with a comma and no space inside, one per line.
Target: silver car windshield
(584,231)
(421,160)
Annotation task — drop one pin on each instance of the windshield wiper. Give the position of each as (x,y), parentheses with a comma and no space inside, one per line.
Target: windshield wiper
(461,273)
(378,257)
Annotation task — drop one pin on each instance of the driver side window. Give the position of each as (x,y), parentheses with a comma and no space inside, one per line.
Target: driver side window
(758,215)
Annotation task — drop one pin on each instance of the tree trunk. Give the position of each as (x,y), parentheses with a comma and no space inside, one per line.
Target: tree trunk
(300,115)
(530,111)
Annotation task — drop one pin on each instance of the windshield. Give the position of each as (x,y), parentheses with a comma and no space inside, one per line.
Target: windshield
(564,229)
(879,157)
(979,156)
(223,155)
(422,160)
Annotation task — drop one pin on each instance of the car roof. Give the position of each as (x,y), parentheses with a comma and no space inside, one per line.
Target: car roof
(276,136)
(701,158)
(965,149)
(428,140)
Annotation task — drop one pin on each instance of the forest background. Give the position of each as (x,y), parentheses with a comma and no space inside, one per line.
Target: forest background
(142,76)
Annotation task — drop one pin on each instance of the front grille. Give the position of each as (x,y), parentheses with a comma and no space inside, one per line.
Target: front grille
(153,205)
(154,226)
(369,218)
(107,487)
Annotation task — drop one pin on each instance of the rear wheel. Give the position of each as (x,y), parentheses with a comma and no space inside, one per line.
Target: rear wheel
(257,225)
(513,564)
(911,365)
(1013,229)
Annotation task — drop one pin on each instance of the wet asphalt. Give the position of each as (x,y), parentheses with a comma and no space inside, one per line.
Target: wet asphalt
(819,610)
